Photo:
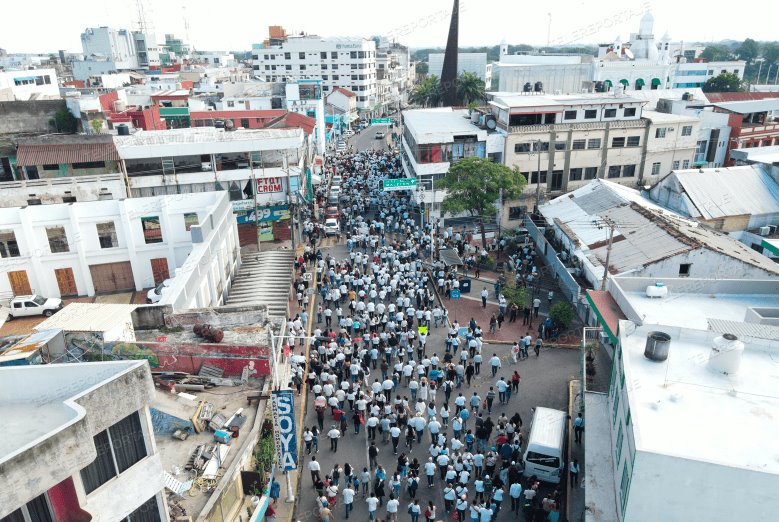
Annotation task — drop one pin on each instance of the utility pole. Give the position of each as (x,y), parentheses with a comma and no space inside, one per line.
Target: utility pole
(289,197)
(611,226)
(538,176)
(255,210)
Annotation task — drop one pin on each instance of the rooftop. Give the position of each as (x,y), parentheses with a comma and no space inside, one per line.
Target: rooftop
(509,99)
(439,120)
(664,117)
(65,148)
(748,107)
(767,155)
(89,317)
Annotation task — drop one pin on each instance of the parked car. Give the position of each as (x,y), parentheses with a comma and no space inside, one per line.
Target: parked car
(155,294)
(332,212)
(379,135)
(335,190)
(29,305)
(332,228)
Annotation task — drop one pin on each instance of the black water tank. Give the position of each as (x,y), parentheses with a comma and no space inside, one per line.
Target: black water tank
(219,124)
(539,87)
(528,87)
(122,130)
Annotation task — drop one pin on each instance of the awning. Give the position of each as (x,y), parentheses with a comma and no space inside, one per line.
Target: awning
(607,311)
(624,82)
(640,82)
(656,82)
(608,82)
(55,154)
(450,257)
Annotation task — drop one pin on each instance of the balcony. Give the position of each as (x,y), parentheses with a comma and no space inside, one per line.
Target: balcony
(562,127)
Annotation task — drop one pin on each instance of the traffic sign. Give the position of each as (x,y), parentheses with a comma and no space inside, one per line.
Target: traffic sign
(381,121)
(454,293)
(400,184)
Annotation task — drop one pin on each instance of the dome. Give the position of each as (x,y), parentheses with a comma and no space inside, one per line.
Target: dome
(647,23)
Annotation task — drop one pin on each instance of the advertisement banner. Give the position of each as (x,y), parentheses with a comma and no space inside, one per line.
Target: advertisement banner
(268,185)
(283,408)
(264,214)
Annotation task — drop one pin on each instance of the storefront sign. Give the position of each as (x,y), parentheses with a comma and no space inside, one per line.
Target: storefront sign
(264,214)
(283,408)
(268,185)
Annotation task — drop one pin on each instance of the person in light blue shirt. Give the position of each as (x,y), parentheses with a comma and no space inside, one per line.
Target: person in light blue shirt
(485,514)
(515,492)
(502,386)
(497,498)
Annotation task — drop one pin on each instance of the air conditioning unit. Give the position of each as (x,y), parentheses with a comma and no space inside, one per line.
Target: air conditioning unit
(773,229)
(764,231)
(604,337)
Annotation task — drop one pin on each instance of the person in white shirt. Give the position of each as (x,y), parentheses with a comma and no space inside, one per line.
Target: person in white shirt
(348,494)
(373,503)
(334,435)
(314,468)
(392,508)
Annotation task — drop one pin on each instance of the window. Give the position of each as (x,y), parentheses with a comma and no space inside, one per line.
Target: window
(287,67)
(324,77)
(544,146)
(106,234)
(53,166)
(578,144)
(149,511)
(628,171)
(58,241)
(516,213)
(660,132)
(618,447)
(569,115)
(335,77)
(614,171)
(324,66)
(90,165)
(684,269)
(231,103)
(333,55)
(618,142)
(8,245)
(615,407)
(590,172)
(590,114)
(323,55)
(623,487)
(575,174)
(302,67)
(676,165)
(534,177)
(656,168)
(36,510)
(610,113)
(543,460)
(560,145)
(302,56)
(627,417)
(687,130)
(118,448)
(630,111)
(245,123)
(520,148)
(593,143)
(190,219)
(686,164)
(152,232)
(634,141)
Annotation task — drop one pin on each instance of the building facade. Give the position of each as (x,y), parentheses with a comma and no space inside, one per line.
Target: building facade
(23,85)
(94,432)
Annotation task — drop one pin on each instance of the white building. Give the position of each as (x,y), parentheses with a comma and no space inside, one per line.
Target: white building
(689,416)
(109,50)
(474,63)
(337,62)
(30,84)
(128,245)
(433,139)
(648,240)
(93,430)
(305,97)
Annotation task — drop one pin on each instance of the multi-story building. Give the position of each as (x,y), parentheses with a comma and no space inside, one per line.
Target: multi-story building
(23,85)
(118,245)
(337,62)
(563,142)
(474,63)
(688,396)
(92,454)
(109,50)
(753,123)
(392,76)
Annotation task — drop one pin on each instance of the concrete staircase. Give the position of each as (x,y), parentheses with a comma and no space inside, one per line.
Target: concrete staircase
(264,278)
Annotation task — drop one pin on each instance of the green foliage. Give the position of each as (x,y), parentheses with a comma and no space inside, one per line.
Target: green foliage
(64,121)
(470,88)
(771,52)
(97,126)
(561,314)
(748,50)
(427,93)
(716,53)
(517,296)
(422,68)
(474,184)
(725,82)
(265,452)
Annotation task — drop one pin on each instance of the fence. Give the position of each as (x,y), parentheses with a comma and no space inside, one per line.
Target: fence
(563,278)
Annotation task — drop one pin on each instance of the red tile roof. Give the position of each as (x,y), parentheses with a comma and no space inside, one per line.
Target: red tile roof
(722,97)
(52,150)
(295,120)
(345,92)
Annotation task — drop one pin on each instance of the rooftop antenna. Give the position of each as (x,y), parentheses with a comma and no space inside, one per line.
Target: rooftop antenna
(549,30)
(186,22)
(141,15)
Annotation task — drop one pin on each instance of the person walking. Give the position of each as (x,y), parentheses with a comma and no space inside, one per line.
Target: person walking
(537,347)
(392,509)
(495,363)
(348,496)
(578,428)
(334,435)
(484,295)
(573,471)
(373,503)
(414,509)
(314,468)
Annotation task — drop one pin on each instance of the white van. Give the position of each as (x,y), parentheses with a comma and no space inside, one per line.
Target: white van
(545,445)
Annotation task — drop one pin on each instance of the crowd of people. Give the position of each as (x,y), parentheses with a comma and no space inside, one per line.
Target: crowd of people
(372,372)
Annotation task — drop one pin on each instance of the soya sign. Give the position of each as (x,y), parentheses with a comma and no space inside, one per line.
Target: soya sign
(283,408)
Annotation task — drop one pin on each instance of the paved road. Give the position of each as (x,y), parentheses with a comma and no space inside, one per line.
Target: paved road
(366,139)
(544,383)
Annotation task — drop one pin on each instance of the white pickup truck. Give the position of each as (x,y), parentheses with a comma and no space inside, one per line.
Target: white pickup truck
(28,305)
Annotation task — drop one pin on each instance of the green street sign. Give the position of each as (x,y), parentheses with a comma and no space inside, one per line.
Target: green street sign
(400,184)
(381,121)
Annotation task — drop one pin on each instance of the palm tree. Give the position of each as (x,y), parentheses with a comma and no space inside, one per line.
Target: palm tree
(427,93)
(470,88)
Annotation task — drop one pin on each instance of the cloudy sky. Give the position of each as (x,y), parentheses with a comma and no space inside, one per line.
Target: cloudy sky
(236,24)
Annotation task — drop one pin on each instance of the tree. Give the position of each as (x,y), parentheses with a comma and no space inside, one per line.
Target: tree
(725,82)
(771,52)
(474,184)
(515,295)
(427,93)
(748,50)
(470,88)
(422,68)
(716,53)
(97,126)
(63,121)
(561,314)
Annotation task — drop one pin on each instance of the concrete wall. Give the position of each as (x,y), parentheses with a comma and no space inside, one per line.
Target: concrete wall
(83,188)
(706,264)
(28,116)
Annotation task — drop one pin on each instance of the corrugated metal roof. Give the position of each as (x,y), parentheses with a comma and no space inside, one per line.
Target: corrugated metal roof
(741,329)
(51,150)
(747,107)
(733,191)
(89,317)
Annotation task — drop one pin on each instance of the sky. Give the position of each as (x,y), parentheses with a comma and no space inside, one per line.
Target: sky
(236,24)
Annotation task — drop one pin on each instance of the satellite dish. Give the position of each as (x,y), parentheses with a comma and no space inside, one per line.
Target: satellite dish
(629,54)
